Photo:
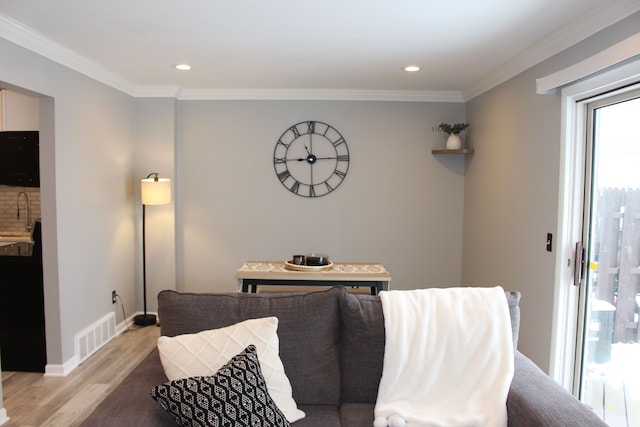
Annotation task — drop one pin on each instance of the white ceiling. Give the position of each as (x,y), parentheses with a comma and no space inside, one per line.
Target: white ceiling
(280,48)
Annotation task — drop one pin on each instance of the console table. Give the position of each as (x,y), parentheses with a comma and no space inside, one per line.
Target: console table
(270,273)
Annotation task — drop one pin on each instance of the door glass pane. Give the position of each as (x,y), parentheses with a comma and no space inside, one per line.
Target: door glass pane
(611,354)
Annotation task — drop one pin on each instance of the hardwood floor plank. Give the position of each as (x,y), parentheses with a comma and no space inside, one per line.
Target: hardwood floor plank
(32,400)
(79,407)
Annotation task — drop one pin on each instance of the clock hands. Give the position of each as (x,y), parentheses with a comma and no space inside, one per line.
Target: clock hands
(312,158)
(309,159)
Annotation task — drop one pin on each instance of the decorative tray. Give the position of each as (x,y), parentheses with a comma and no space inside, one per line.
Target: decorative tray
(288,265)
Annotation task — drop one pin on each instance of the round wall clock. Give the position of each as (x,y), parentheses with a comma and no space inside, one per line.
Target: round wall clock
(311,159)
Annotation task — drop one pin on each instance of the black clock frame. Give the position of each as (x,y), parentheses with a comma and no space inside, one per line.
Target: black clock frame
(327,158)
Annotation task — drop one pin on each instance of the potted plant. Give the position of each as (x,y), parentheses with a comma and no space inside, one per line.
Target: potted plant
(453,141)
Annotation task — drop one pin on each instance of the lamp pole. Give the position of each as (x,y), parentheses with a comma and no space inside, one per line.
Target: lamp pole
(154,191)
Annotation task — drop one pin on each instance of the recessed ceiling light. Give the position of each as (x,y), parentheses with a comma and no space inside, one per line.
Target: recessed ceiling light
(412,68)
(183,67)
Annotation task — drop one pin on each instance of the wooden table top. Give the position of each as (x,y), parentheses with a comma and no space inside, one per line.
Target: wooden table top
(351,271)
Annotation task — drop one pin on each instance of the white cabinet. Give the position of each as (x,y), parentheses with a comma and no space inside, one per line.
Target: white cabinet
(18,111)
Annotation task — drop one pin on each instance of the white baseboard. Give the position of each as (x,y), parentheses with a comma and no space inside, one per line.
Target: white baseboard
(88,341)
(123,326)
(3,416)
(51,370)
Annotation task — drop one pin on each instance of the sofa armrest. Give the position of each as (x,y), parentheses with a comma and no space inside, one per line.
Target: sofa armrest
(536,400)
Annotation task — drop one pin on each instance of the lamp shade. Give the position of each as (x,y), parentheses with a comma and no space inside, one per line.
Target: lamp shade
(156,191)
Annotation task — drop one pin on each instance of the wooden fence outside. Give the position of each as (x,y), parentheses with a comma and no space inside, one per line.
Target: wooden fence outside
(617,258)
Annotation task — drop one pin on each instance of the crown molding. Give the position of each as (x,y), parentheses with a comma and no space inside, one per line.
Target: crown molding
(29,39)
(320,95)
(603,16)
(155,92)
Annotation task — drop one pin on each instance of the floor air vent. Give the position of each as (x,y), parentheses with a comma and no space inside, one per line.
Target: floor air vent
(92,338)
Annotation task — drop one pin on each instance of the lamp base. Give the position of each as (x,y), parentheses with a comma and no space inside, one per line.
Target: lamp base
(144,319)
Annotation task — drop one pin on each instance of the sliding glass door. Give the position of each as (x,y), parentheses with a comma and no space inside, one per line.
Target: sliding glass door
(609,351)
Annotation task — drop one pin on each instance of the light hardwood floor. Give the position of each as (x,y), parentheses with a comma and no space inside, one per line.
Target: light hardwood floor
(32,399)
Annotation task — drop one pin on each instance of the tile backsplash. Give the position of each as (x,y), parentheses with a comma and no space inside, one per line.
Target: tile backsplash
(9,221)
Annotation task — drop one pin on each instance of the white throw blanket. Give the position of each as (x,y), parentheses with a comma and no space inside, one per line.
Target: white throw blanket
(448,358)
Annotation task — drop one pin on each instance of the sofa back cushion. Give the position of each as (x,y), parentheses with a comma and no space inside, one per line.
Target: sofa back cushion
(362,347)
(308,330)
(363,343)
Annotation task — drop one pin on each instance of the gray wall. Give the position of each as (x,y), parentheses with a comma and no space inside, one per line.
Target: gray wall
(512,189)
(398,205)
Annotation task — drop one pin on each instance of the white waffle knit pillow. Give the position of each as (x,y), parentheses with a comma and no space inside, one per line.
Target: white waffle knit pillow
(204,353)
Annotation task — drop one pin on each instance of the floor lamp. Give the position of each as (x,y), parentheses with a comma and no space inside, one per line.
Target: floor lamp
(154,191)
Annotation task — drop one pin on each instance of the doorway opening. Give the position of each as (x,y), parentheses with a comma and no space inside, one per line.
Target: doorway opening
(22,320)
(46,124)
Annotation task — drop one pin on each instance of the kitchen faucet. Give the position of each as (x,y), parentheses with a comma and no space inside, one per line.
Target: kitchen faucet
(27,225)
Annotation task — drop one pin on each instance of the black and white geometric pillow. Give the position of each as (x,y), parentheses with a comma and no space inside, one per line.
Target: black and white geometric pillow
(234,396)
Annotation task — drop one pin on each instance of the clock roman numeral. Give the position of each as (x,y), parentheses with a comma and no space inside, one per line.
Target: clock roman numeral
(286,146)
(295,187)
(343,158)
(340,173)
(296,132)
(311,127)
(338,142)
(329,187)
(312,191)
(279,160)
(282,176)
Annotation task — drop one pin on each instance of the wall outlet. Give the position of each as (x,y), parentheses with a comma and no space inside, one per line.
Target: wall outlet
(113,297)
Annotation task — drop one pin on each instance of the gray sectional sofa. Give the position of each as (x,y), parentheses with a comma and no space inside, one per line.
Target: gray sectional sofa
(332,348)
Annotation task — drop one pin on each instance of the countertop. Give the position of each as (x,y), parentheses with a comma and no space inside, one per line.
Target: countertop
(14,244)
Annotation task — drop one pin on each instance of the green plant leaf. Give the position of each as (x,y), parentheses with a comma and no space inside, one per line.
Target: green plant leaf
(453,129)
